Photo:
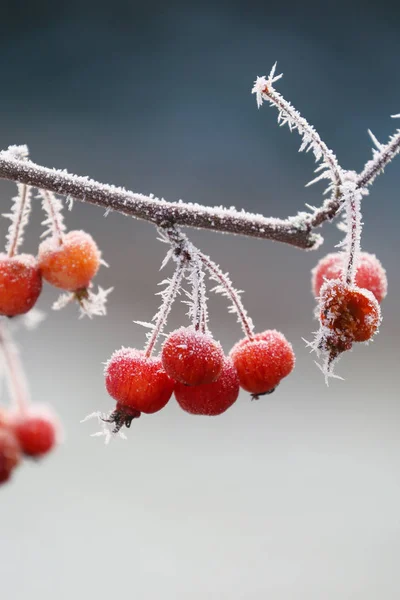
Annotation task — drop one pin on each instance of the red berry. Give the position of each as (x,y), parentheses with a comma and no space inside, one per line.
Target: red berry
(262,362)
(138,382)
(369,274)
(20,284)
(37,434)
(72,264)
(192,357)
(10,454)
(210,398)
(350,313)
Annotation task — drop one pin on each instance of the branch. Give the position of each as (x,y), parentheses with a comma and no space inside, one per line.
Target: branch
(295,231)
(382,157)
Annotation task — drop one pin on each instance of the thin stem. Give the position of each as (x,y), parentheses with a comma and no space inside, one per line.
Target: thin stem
(169,296)
(229,291)
(293,230)
(381,159)
(16,380)
(55,219)
(354,224)
(199,294)
(18,224)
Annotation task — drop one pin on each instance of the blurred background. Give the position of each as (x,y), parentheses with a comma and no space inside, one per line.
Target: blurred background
(293,497)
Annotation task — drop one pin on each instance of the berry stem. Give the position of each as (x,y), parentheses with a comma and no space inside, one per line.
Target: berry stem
(229,291)
(20,218)
(169,296)
(352,198)
(16,380)
(53,208)
(200,316)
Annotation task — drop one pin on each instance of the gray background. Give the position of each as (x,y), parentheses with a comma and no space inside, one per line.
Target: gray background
(295,496)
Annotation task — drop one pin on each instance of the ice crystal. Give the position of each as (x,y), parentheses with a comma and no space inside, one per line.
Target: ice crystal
(106,431)
(90,304)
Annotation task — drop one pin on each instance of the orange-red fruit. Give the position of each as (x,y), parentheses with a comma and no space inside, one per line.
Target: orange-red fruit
(192,357)
(138,382)
(36,434)
(351,313)
(262,362)
(72,264)
(10,453)
(369,274)
(210,398)
(20,284)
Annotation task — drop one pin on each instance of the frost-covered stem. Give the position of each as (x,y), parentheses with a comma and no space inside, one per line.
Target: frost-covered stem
(15,375)
(381,159)
(354,232)
(306,129)
(13,243)
(247,324)
(168,299)
(199,295)
(295,231)
(54,215)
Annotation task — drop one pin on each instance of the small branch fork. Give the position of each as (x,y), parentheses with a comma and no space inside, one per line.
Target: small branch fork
(296,230)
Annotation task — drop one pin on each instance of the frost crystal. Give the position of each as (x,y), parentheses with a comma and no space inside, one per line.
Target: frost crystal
(106,431)
(90,304)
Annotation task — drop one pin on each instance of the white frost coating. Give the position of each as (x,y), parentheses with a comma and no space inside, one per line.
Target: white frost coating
(53,208)
(264,90)
(198,310)
(106,430)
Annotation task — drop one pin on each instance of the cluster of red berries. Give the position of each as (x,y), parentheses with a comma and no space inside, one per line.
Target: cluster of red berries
(68,263)
(193,366)
(348,313)
(28,434)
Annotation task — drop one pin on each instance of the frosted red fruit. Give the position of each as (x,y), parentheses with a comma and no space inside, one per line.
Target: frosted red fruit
(10,454)
(210,398)
(262,362)
(192,357)
(20,284)
(138,382)
(369,274)
(350,313)
(72,264)
(37,434)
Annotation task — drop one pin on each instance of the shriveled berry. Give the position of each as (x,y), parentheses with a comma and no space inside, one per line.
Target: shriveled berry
(370,273)
(20,284)
(37,434)
(138,382)
(210,398)
(263,361)
(10,453)
(348,312)
(192,357)
(72,264)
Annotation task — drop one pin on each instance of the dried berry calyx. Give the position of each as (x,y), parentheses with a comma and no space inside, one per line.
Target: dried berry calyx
(20,284)
(263,361)
(210,398)
(192,357)
(122,416)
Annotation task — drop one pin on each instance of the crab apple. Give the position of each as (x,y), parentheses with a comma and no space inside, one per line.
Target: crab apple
(20,284)
(348,312)
(210,398)
(138,382)
(10,453)
(70,264)
(263,361)
(370,273)
(37,434)
(192,357)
